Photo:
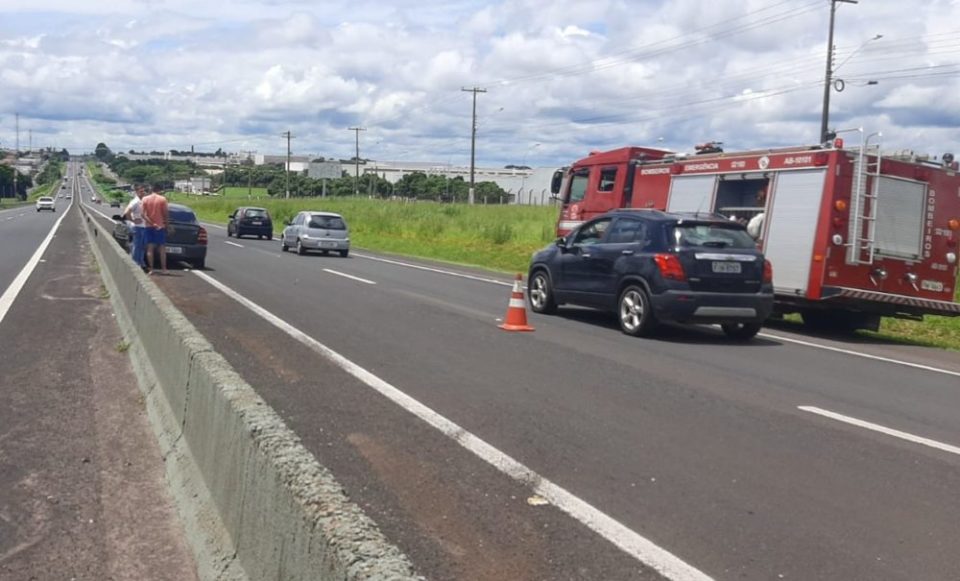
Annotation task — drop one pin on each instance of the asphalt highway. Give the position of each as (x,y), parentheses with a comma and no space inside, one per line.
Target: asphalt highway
(791,457)
(82,493)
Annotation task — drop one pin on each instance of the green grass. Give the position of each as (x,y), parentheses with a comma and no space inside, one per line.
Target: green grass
(943,332)
(493,237)
(243,193)
(106,190)
(12,203)
(44,190)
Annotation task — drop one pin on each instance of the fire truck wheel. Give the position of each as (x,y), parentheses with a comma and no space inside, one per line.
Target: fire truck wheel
(540,292)
(635,312)
(741,331)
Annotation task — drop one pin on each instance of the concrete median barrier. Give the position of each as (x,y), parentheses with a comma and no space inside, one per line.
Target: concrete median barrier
(255,503)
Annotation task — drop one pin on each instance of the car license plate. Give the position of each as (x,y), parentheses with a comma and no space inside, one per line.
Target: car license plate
(726,267)
(257,223)
(329,244)
(174,250)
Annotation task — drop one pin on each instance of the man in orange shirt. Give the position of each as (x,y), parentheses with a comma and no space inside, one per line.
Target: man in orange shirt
(156,215)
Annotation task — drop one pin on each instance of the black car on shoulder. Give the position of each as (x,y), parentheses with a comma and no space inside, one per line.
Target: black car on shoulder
(650,266)
(186,241)
(250,221)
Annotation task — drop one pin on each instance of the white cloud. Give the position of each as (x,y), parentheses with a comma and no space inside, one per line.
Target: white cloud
(574,74)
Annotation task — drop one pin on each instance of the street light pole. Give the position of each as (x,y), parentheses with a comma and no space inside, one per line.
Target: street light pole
(828,80)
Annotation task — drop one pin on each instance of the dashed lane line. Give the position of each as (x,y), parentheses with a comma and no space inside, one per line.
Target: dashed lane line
(350,276)
(881,429)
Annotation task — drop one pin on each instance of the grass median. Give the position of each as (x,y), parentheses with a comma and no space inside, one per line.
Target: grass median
(499,238)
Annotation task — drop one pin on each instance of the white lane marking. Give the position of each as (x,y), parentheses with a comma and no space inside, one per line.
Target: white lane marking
(881,429)
(350,276)
(6,301)
(860,354)
(437,270)
(212,225)
(233,244)
(637,546)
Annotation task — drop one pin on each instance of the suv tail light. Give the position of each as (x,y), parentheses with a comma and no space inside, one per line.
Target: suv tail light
(767,271)
(202,236)
(670,267)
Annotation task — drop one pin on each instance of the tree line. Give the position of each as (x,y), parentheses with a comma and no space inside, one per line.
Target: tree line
(163,173)
(51,171)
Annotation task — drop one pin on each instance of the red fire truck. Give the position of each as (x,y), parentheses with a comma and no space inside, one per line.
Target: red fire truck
(853,234)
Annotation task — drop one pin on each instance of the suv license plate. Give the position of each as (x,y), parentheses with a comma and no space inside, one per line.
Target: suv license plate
(726,267)
(174,250)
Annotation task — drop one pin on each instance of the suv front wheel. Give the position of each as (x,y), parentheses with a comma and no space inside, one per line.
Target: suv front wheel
(635,312)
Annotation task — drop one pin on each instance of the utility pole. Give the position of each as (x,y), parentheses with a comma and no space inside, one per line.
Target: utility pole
(828,80)
(473,139)
(289,136)
(356,161)
(16,157)
(249,172)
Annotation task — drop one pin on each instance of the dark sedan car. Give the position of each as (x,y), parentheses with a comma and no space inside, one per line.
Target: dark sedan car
(250,221)
(650,266)
(187,242)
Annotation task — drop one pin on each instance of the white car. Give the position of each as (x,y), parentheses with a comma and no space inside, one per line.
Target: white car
(45,203)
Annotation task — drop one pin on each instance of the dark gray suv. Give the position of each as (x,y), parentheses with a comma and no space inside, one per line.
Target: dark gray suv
(650,266)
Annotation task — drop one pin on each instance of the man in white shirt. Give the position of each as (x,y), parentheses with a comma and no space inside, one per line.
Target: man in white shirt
(755,225)
(133,214)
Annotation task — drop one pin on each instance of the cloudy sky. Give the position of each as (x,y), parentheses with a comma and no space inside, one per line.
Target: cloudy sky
(563,77)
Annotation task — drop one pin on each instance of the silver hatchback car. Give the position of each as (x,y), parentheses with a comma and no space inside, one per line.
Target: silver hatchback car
(323,231)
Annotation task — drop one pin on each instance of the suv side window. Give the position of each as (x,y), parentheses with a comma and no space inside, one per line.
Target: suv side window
(593,232)
(578,185)
(625,231)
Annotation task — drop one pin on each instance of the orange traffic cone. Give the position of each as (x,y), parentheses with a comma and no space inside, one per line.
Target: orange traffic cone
(516,319)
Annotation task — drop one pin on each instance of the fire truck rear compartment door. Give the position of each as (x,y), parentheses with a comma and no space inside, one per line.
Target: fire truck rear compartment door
(691,194)
(791,227)
(900,208)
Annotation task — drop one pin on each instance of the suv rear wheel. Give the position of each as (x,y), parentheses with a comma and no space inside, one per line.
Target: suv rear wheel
(540,292)
(635,313)
(741,331)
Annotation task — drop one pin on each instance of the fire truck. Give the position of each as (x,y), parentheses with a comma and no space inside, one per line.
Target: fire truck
(854,234)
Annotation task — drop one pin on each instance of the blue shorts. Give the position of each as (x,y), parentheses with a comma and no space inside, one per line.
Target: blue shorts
(155,236)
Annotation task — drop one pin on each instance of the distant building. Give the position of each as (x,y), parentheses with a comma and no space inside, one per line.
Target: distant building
(298,163)
(193,185)
(525,186)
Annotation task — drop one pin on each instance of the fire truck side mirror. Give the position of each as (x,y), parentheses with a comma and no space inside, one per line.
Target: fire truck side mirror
(556,182)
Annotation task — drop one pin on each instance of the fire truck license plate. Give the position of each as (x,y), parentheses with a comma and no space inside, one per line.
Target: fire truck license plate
(726,267)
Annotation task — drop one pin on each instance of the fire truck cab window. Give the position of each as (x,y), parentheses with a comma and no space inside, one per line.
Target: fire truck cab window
(608,177)
(592,233)
(578,185)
